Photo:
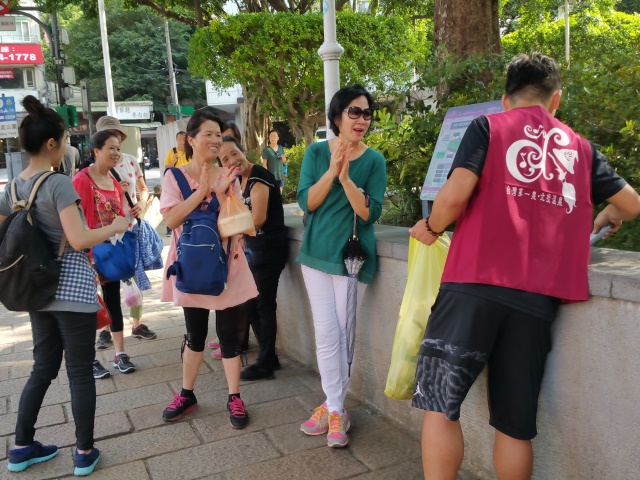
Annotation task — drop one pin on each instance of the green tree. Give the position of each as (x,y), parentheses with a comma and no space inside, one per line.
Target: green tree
(600,99)
(195,13)
(138,56)
(274,57)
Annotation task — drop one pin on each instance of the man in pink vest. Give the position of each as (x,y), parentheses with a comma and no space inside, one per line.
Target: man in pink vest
(521,190)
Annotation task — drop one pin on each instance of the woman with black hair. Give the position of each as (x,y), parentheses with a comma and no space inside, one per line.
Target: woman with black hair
(67,325)
(270,249)
(338,178)
(101,199)
(208,183)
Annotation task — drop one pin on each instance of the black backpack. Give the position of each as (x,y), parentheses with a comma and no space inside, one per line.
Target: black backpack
(29,273)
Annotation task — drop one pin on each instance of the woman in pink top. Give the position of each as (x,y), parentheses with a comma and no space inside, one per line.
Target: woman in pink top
(206,179)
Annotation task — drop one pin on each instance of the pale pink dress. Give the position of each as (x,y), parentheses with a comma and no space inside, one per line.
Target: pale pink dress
(240,284)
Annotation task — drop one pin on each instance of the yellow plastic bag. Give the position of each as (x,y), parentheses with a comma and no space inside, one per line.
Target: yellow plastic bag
(426,264)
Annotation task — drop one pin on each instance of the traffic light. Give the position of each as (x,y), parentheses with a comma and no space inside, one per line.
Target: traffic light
(64,113)
(69,115)
(73,116)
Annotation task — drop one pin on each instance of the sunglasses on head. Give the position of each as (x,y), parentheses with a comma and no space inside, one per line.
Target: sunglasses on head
(357,112)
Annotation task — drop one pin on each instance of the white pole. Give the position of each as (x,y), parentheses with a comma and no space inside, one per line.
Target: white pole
(172,75)
(330,52)
(111,109)
(566,32)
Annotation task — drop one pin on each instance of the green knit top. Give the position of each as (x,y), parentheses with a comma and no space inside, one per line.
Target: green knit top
(331,224)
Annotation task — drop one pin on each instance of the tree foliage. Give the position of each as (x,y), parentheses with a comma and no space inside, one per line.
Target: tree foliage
(195,13)
(274,56)
(601,89)
(138,56)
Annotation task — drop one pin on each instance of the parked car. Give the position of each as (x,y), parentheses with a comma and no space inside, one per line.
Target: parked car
(321,134)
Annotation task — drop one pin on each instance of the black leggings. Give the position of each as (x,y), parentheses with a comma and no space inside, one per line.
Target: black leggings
(230,325)
(111,297)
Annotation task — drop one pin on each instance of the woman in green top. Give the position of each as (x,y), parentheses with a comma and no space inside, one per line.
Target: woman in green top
(338,178)
(274,158)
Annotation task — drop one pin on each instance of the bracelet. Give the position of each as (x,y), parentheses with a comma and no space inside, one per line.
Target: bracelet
(435,234)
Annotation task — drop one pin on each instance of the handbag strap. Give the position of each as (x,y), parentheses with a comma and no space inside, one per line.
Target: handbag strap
(26,205)
(182,181)
(367,202)
(186,190)
(126,194)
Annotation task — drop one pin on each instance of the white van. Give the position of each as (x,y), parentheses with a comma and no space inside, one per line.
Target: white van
(321,134)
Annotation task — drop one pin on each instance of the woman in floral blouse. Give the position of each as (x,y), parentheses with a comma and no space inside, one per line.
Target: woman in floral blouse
(101,200)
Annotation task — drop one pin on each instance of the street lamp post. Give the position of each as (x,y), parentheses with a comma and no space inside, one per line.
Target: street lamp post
(111,109)
(330,52)
(172,74)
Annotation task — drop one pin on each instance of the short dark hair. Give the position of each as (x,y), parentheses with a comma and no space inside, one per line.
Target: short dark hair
(97,141)
(181,132)
(234,140)
(274,130)
(195,122)
(39,125)
(236,131)
(342,99)
(536,75)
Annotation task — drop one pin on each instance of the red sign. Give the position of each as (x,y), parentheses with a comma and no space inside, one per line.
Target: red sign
(6,74)
(21,54)
(4,8)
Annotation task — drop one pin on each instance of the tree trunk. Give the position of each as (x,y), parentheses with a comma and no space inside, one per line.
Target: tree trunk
(255,124)
(467,27)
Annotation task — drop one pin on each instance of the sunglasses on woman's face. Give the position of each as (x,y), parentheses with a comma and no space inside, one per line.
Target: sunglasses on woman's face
(357,112)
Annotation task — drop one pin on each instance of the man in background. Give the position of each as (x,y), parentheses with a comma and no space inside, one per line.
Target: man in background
(176,156)
(70,160)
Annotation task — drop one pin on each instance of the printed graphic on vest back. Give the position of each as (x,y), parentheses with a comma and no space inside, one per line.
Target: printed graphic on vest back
(527,161)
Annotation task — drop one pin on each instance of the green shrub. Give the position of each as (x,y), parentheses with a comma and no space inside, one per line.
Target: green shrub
(294,161)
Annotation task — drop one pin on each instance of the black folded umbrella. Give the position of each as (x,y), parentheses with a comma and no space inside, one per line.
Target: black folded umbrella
(354,260)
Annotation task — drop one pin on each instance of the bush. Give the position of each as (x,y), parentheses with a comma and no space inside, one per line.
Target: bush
(294,161)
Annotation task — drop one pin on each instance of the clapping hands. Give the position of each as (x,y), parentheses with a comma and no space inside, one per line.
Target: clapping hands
(339,163)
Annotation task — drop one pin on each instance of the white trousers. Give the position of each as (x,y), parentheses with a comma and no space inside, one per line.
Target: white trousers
(328,299)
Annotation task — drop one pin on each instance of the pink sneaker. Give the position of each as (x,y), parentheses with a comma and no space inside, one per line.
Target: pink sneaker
(338,427)
(217,354)
(318,424)
(215,343)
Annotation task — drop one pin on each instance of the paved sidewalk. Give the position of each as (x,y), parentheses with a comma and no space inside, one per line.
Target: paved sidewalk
(136,444)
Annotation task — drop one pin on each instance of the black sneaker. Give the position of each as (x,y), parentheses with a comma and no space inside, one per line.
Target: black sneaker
(85,462)
(99,371)
(238,417)
(142,331)
(21,458)
(123,363)
(179,408)
(256,372)
(104,340)
(276,364)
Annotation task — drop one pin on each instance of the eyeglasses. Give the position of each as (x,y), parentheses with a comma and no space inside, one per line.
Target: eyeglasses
(357,112)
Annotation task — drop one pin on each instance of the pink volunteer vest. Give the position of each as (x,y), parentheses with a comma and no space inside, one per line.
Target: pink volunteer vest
(527,224)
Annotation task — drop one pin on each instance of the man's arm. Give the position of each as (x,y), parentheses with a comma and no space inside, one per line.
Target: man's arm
(171,159)
(623,206)
(448,205)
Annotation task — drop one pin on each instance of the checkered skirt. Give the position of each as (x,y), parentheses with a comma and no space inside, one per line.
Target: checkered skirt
(77,279)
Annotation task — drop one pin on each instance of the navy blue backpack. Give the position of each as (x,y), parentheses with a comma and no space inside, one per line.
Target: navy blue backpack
(201,263)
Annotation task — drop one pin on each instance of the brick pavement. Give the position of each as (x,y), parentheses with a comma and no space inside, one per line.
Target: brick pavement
(136,444)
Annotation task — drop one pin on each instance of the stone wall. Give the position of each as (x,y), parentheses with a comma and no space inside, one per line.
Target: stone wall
(589,414)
